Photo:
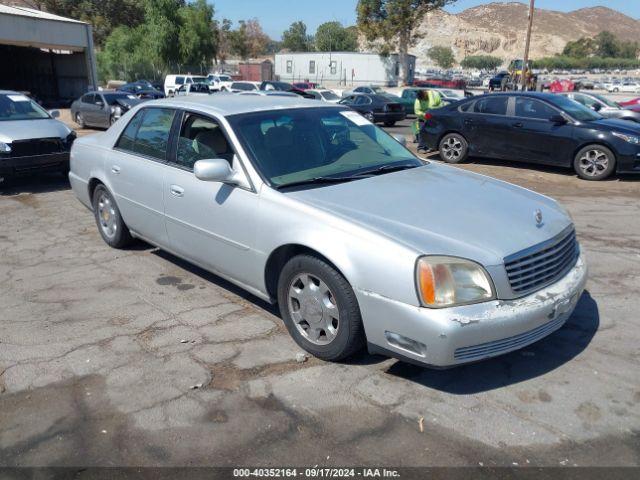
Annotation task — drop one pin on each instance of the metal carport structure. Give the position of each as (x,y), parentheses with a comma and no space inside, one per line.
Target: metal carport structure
(50,57)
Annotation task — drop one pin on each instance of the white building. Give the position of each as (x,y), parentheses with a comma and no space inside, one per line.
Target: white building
(49,56)
(340,68)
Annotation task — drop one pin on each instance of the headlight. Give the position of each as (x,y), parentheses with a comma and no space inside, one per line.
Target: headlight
(5,147)
(627,138)
(450,281)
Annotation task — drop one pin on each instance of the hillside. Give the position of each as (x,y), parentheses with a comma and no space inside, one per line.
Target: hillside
(499,29)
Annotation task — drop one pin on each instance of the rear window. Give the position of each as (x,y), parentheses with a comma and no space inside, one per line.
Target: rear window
(179,80)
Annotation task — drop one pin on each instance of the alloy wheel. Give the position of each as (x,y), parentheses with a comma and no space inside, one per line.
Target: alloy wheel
(107,215)
(451,148)
(593,162)
(313,309)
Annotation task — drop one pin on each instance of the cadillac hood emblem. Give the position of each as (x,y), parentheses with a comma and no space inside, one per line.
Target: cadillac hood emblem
(538,216)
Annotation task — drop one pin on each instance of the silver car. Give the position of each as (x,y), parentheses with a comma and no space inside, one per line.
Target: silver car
(31,139)
(359,242)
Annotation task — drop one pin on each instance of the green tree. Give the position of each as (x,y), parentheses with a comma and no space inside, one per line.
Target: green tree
(196,40)
(395,23)
(239,41)
(332,36)
(608,45)
(443,56)
(582,47)
(481,62)
(103,15)
(295,38)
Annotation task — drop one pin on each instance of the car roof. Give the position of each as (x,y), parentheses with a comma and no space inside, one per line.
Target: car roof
(540,95)
(226,104)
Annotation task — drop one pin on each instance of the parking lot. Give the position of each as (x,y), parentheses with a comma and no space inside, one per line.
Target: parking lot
(135,357)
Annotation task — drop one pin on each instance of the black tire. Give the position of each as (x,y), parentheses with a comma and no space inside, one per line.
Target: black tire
(349,337)
(453,148)
(112,120)
(369,116)
(389,123)
(80,120)
(121,236)
(589,162)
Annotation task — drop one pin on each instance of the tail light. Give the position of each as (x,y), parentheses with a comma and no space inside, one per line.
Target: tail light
(427,116)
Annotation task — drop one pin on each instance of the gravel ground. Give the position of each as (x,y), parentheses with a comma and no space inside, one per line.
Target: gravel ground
(136,358)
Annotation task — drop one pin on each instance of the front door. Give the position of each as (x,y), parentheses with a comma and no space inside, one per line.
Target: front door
(136,172)
(210,223)
(536,138)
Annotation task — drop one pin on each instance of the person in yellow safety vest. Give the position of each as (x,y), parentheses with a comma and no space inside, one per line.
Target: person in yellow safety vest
(425,100)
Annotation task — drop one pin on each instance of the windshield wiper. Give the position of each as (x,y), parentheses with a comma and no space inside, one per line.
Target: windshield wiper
(388,168)
(320,180)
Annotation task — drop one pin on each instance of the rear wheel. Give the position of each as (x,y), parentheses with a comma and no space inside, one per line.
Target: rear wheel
(319,308)
(389,123)
(110,223)
(594,162)
(453,148)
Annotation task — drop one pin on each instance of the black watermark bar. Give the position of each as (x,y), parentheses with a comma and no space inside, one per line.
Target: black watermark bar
(405,473)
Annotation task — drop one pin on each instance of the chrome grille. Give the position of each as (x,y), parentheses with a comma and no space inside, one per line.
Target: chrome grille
(504,345)
(542,264)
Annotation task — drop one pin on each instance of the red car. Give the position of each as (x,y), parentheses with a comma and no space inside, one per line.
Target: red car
(630,103)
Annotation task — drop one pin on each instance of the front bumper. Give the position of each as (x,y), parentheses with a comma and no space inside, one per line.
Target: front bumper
(629,162)
(14,166)
(454,336)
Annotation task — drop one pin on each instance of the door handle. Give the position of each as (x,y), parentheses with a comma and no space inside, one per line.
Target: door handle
(518,125)
(468,122)
(115,169)
(176,190)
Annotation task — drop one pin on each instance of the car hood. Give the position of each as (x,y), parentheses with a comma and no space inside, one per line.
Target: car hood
(128,102)
(608,124)
(438,209)
(27,129)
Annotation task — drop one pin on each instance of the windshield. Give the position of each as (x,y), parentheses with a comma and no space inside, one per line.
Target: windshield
(225,78)
(575,109)
(20,107)
(606,101)
(329,95)
(291,146)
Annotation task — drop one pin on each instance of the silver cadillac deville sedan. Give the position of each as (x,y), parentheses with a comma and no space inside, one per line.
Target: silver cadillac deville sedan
(359,242)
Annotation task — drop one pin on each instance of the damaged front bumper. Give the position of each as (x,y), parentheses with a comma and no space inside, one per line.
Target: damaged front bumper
(453,336)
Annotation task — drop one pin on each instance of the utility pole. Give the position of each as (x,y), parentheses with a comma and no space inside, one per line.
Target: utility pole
(526,46)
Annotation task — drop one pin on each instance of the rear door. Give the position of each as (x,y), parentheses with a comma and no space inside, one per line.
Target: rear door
(535,138)
(487,126)
(210,223)
(136,172)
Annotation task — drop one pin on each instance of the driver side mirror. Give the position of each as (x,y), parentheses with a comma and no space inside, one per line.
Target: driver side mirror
(54,113)
(99,104)
(597,107)
(558,120)
(216,170)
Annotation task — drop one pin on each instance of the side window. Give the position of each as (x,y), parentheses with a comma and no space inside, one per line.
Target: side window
(532,108)
(152,138)
(312,66)
(88,98)
(289,66)
(492,105)
(179,80)
(128,137)
(466,107)
(201,138)
(98,100)
(189,80)
(333,67)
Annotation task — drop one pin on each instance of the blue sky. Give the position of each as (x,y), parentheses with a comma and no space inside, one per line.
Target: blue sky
(276,15)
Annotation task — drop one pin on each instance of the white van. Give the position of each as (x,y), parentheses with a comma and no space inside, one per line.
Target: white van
(172,82)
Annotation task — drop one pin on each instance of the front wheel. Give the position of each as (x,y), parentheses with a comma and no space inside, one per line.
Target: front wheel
(453,148)
(369,116)
(319,308)
(110,223)
(594,162)
(389,123)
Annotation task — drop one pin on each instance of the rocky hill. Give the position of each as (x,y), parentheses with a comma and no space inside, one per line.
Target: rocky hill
(499,29)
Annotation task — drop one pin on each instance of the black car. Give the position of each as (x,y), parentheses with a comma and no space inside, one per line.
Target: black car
(498,81)
(284,87)
(535,127)
(141,90)
(102,109)
(376,108)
